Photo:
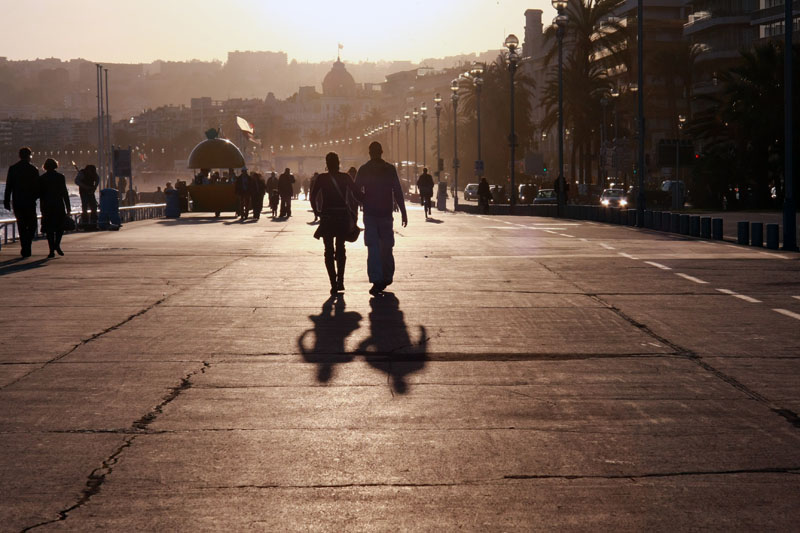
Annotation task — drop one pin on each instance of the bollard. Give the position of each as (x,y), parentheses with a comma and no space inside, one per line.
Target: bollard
(705,227)
(657,219)
(684,222)
(648,219)
(757,234)
(675,223)
(743,232)
(666,221)
(631,217)
(694,225)
(773,236)
(716,229)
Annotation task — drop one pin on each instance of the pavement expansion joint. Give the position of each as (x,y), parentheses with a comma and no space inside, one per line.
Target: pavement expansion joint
(792,470)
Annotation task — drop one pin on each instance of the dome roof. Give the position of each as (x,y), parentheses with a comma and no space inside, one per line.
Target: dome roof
(338,82)
(216,153)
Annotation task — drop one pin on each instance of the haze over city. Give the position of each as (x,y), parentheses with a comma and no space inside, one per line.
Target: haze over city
(181,30)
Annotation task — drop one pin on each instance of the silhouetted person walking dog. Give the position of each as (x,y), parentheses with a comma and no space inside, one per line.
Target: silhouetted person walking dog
(337,195)
(286,190)
(380,186)
(54,203)
(22,189)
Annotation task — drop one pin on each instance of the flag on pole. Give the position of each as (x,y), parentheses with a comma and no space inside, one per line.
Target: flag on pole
(244,125)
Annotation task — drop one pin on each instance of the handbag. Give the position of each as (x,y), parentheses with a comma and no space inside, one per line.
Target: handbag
(353,231)
(69,223)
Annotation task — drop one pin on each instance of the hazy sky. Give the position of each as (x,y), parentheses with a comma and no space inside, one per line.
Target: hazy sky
(146,30)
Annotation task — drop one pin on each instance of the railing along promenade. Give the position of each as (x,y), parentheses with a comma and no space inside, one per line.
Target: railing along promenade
(9,233)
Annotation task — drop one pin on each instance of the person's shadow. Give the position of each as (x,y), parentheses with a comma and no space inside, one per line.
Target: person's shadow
(389,347)
(331,328)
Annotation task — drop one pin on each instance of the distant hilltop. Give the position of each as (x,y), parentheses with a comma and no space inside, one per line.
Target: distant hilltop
(54,88)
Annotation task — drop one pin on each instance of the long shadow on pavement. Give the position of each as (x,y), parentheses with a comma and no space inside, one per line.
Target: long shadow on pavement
(331,328)
(14,265)
(389,347)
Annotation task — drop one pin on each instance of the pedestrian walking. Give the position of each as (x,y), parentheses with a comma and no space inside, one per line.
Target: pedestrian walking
(87,181)
(312,199)
(242,188)
(257,194)
(286,190)
(484,195)
(335,193)
(22,189)
(425,190)
(54,204)
(272,192)
(380,187)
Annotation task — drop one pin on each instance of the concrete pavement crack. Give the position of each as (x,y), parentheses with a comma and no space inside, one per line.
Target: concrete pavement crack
(789,415)
(793,470)
(97,477)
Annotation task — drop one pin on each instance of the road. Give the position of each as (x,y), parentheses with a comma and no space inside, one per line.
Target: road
(526,373)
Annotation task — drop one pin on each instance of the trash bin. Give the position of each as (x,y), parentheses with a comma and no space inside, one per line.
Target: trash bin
(441,198)
(109,210)
(173,201)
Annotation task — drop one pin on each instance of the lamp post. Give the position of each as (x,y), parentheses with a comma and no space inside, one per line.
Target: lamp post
(789,206)
(454,99)
(561,22)
(407,118)
(415,113)
(681,122)
(423,111)
(640,199)
(397,154)
(477,80)
(603,143)
(512,43)
(437,105)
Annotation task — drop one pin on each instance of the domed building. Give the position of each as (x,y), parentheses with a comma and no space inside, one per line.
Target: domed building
(338,82)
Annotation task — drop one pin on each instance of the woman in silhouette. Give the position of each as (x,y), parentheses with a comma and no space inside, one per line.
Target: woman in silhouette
(335,197)
(54,202)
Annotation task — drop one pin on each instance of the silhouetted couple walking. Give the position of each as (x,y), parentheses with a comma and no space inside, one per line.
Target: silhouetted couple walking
(334,197)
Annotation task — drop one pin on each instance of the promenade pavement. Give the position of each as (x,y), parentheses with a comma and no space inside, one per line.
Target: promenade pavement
(523,374)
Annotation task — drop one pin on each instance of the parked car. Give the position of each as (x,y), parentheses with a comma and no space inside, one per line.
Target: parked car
(527,193)
(499,194)
(614,198)
(471,191)
(546,196)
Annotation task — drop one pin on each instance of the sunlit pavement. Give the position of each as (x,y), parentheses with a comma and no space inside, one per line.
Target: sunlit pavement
(526,373)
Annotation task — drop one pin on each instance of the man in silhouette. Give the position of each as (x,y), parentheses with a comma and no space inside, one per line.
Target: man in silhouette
(22,190)
(380,186)
(242,186)
(425,190)
(87,181)
(286,190)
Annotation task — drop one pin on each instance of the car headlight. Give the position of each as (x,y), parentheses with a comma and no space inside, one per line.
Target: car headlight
(623,202)
(604,201)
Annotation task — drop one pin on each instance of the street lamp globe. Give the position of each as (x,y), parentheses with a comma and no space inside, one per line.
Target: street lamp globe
(559,4)
(423,108)
(560,21)
(454,86)
(438,98)
(511,42)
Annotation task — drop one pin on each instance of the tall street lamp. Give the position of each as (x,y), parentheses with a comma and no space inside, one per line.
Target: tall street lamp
(454,99)
(603,141)
(512,43)
(789,206)
(561,23)
(407,118)
(415,113)
(477,80)
(437,105)
(640,199)
(397,154)
(423,111)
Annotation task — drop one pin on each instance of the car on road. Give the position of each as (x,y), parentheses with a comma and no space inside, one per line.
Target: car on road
(471,191)
(499,194)
(546,196)
(614,198)
(527,193)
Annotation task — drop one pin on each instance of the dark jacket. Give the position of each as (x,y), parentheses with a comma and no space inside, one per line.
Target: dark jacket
(285,183)
(22,186)
(54,201)
(425,185)
(378,182)
(242,184)
(326,196)
(483,190)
